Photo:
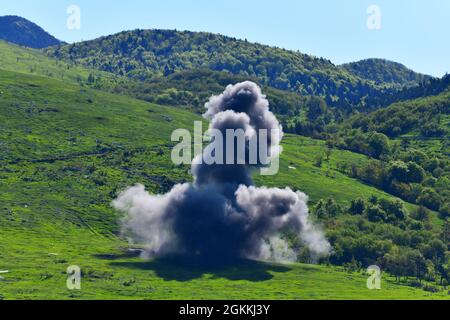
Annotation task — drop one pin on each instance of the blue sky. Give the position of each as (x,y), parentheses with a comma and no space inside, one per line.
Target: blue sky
(413,32)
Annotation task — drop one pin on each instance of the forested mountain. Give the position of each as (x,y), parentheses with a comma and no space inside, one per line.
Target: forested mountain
(191,88)
(25,33)
(143,54)
(383,72)
(408,143)
(319,119)
(378,181)
(430,87)
(425,115)
(68,151)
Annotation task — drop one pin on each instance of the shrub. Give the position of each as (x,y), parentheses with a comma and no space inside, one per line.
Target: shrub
(415,284)
(398,170)
(415,172)
(430,288)
(379,144)
(327,208)
(357,206)
(376,214)
(393,208)
(421,214)
(444,211)
(430,199)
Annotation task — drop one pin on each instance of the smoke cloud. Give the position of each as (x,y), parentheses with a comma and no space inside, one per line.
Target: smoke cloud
(222,215)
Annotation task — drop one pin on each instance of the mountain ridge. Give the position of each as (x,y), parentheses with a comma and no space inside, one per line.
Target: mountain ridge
(68,149)
(385,71)
(144,54)
(18,30)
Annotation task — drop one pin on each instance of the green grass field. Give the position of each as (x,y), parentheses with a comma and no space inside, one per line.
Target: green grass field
(67,151)
(32,61)
(298,170)
(37,260)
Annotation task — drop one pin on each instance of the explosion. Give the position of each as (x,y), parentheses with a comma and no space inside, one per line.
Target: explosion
(222,216)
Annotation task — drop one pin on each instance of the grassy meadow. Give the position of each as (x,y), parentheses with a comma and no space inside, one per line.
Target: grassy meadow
(66,152)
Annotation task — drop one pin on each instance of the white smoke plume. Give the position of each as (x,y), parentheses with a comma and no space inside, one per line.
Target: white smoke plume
(222,215)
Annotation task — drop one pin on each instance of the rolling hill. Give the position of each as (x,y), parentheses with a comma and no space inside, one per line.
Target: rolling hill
(145,54)
(69,149)
(383,71)
(73,135)
(186,89)
(20,31)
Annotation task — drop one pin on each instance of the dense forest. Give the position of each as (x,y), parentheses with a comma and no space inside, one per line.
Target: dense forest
(144,54)
(383,71)
(192,88)
(23,32)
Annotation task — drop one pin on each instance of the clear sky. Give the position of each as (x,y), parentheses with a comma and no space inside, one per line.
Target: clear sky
(413,32)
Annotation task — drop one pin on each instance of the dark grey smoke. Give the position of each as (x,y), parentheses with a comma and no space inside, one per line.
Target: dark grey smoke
(222,215)
(244,107)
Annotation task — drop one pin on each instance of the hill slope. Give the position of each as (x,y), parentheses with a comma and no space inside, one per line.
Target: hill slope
(32,61)
(143,54)
(111,273)
(187,89)
(68,150)
(25,33)
(410,116)
(383,71)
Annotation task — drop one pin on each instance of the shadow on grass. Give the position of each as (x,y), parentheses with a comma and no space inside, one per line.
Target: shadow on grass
(186,269)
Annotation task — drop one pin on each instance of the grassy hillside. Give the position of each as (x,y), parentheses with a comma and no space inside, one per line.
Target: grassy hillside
(30,61)
(37,261)
(411,116)
(416,131)
(53,133)
(68,150)
(298,170)
(186,89)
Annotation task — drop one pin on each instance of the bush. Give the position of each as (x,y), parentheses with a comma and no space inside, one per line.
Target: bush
(327,209)
(430,288)
(379,144)
(430,199)
(406,172)
(421,214)
(415,284)
(357,206)
(402,190)
(393,208)
(444,211)
(432,129)
(398,170)
(376,214)
(415,172)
